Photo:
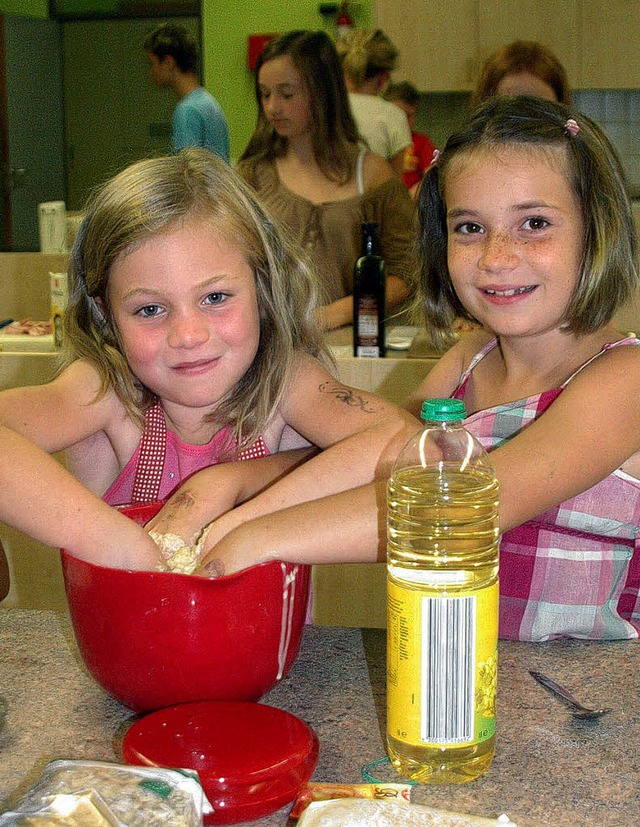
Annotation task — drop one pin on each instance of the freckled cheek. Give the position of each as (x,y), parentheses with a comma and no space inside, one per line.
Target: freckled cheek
(461,263)
(240,329)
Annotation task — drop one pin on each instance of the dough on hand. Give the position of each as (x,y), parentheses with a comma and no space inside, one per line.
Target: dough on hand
(179,556)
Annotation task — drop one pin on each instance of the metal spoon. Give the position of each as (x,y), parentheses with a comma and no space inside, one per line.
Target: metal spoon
(579,710)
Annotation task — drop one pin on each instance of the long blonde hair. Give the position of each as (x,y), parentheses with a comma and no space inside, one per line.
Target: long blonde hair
(151,197)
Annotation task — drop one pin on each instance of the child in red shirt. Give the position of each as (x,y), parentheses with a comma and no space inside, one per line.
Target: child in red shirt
(419,155)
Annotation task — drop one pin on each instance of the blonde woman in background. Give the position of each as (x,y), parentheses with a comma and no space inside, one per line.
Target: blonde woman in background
(524,67)
(368,58)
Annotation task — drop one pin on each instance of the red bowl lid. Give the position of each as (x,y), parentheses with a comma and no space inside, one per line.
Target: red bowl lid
(252,758)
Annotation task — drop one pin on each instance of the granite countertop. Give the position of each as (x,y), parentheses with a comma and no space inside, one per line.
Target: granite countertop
(549,769)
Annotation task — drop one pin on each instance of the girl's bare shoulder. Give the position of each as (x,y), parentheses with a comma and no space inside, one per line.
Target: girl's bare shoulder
(459,356)
(65,411)
(308,372)
(76,386)
(444,377)
(82,386)
(470,343)
(615,367)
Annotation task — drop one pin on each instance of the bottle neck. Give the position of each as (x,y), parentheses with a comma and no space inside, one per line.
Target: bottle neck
(442,424)
(370,241)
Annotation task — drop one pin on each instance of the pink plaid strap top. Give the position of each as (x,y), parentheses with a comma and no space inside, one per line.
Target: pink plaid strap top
(162,461)
(573,571)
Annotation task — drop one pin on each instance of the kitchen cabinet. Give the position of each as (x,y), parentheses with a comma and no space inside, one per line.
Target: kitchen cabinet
(438,42)
(552,22)
(610,58)
(443,45)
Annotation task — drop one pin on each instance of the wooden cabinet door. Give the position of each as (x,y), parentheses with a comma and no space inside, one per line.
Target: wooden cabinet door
(437,41)
(443,45)
(555,23)
(610,55)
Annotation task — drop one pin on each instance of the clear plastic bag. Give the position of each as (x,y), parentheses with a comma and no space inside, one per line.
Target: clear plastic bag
(362,813)
(100,794)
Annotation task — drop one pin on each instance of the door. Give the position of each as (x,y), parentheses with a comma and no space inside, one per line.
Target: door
(32,125)
(114,115)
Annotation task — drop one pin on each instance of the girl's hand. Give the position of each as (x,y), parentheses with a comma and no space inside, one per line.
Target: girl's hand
(234,552)
(114,541)
(202,498)
(138,553)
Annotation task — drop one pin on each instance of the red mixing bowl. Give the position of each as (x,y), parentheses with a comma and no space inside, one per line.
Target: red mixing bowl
(155,639)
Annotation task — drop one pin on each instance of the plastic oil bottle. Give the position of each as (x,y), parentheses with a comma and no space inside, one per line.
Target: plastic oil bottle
(442,602)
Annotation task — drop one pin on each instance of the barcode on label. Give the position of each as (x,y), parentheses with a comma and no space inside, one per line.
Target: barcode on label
(447,677)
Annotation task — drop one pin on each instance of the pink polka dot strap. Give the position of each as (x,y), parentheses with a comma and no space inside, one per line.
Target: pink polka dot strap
(153,448)
(258,449)
(153,451)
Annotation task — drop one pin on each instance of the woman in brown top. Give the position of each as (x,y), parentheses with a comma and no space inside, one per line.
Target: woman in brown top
(305,161)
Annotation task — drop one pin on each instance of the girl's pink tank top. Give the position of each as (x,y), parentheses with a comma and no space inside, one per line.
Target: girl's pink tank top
(162,461)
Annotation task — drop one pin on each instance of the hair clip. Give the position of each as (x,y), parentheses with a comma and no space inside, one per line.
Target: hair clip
(572,127)
(434,157)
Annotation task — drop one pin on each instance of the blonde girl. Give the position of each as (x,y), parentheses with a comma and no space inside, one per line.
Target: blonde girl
(368,57)
(190,341)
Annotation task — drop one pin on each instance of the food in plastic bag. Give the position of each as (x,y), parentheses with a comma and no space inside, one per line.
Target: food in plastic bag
(362,813)
(100,794)
(323,791)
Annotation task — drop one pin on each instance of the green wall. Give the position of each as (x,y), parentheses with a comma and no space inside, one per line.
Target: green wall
(226,25)
(225,28)
(29,8)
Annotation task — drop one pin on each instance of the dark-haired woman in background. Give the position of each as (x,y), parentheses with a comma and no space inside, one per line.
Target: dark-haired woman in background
(305,161)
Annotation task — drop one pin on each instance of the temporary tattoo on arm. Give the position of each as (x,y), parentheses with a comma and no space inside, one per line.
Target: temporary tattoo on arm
(181,499)
(348,396)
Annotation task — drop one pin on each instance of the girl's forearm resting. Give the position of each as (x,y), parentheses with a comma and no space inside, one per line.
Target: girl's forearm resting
(340,312)
(46,502)
(349,527)
(208,494)
(355,461)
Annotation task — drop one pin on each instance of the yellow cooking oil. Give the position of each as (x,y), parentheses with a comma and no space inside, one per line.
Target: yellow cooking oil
(442,607)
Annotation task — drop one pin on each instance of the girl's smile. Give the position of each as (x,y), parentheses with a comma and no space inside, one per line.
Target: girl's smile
(514,238)
(185,305)
(504,295)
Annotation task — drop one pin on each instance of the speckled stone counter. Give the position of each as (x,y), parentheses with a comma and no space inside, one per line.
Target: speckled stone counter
(550,770)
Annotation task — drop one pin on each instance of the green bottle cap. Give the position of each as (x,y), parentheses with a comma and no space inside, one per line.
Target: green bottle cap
(443,410)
